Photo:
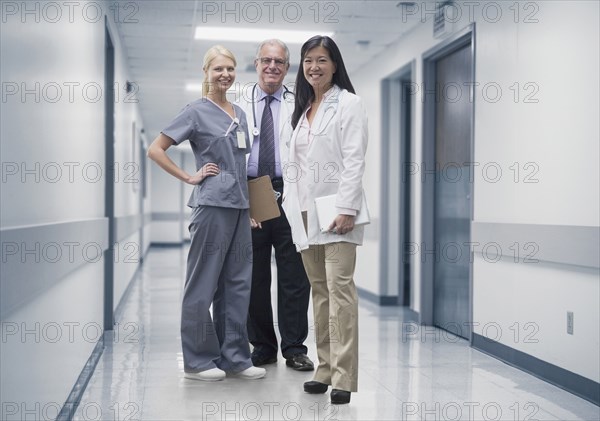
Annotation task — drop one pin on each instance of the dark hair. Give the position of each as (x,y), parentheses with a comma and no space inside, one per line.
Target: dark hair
(304,91)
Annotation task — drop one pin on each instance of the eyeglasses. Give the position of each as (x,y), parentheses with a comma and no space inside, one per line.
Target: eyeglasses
(267,60)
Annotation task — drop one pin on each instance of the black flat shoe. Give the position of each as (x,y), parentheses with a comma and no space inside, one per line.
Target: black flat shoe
(259,359)
(300,362)
(339,396)
(315,387)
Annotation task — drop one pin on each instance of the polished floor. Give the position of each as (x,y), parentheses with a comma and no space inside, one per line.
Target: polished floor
(404,375)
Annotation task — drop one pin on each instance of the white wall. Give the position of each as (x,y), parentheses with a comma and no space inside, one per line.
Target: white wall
(57,135)
(524,306)
(47,342)
(170,200)
(128,167)
(127,260)
(44,134)
(147,203)
(189,165)
(559,134)
(47,134)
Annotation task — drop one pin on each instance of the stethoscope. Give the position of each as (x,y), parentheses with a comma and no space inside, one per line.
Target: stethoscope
(286,91)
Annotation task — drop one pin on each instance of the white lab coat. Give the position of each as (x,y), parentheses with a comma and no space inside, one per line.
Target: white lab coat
(285,118)
(338,152)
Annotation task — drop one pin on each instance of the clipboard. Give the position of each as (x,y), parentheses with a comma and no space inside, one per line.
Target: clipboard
(327,212)
(263,204)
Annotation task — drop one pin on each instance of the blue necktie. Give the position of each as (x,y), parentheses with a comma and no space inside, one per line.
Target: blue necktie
(266,155)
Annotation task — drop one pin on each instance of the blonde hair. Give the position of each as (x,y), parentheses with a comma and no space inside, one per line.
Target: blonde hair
(212,53)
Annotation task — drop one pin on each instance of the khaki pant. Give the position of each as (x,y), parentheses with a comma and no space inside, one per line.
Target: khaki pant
(330,269)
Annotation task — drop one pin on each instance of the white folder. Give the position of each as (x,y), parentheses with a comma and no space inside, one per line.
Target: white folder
(327,211)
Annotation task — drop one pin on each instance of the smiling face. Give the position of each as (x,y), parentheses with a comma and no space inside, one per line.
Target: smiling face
(271,66)
(220,74)
(318,69)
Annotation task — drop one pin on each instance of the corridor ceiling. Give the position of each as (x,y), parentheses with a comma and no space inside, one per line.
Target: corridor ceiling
(163,56)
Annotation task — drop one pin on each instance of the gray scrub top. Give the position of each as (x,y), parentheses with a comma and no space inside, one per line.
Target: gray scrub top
(205,125)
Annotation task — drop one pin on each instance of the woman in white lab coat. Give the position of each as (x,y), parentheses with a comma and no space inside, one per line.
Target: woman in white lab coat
(327,151)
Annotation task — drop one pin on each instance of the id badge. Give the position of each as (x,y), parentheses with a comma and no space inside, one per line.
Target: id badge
(241,139)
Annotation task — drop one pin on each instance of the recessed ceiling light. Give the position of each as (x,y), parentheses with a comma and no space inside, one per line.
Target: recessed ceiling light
(215,33)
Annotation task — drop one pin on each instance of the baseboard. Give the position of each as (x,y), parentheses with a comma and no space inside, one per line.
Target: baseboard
(167,245)
(412,315)
(382,300)
(119,308)
(70,406)
(565,379)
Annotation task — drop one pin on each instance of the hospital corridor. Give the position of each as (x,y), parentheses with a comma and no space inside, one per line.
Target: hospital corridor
(300,210)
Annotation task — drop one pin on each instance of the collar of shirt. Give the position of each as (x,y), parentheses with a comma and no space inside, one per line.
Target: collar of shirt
(329,93)
(325,99)
(262,94)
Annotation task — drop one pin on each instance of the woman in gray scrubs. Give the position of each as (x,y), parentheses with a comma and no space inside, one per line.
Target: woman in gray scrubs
(219,266)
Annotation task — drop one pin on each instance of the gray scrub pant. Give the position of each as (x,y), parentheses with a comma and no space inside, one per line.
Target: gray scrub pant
(219,271)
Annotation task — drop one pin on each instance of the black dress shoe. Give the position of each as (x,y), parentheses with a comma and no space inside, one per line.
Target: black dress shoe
(300,362)
(339,396)
(315,387)
(259,359)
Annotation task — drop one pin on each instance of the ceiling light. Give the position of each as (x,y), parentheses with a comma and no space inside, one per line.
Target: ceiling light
(193,87)
(406,4)
(215,33)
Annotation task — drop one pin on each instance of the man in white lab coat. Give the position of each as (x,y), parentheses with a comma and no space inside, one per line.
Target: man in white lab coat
(268,106)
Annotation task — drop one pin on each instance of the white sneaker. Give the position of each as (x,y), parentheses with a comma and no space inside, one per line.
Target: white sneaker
(212,375)
(252,373)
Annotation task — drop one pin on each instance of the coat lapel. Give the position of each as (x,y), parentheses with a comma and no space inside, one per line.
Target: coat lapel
(326,112)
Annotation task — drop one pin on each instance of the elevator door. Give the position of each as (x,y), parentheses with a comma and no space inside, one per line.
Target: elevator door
(452,211)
